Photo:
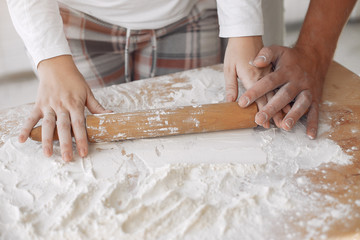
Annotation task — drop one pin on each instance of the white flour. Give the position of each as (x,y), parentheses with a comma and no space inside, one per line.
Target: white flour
(183,187)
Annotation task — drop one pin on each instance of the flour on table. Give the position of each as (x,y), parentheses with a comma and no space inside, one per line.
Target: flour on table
(203,186)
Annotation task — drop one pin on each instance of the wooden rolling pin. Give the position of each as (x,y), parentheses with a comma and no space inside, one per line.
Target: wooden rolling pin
(164,122)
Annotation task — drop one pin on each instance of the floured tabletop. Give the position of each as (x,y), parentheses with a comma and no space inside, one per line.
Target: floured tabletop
(253,183)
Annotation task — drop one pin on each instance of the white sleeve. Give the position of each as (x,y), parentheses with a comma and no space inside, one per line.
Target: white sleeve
(240,18)
(39,24)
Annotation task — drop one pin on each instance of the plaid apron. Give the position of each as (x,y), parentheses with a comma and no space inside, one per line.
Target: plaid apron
(108,54)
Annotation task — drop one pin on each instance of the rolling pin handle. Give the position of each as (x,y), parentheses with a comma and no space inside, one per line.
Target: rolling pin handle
(35,134)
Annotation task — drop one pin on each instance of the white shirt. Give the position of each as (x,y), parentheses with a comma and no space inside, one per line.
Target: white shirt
(39,23)
(240,18)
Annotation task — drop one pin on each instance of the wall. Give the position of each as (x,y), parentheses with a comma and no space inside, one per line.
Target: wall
(13,58)
(295,11)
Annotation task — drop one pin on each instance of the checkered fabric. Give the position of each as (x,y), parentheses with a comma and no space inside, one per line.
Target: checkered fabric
(107,54)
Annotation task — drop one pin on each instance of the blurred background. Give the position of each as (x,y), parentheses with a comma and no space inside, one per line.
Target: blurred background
(18,83)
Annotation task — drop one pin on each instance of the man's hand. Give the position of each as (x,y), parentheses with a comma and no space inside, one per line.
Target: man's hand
(238,64)
(300,71)
(298,77)
(61,100)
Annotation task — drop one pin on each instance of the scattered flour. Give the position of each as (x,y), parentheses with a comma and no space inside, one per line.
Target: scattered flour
(182,187)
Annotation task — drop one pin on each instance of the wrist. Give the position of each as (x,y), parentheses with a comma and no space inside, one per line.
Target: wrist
(60,66)
(250,41)
(63,62)
(320,57)
(247,47)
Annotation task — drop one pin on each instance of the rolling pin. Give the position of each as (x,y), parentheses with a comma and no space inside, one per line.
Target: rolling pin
(164,122)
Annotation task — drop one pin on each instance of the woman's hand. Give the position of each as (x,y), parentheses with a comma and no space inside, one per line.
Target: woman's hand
(239,55)
(61,100)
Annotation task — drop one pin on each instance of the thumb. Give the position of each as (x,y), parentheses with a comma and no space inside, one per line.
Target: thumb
(94,106)
(231,84)
(264,57)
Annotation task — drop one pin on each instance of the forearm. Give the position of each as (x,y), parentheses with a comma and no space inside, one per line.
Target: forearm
(322,27)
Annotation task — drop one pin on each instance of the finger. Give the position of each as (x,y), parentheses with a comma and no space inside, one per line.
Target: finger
(64,132)
(301,105)
(79,130)
(231,84)
(279,115)
(286,109)
(94,106)
(47,132)
(285,95)
(261,102)
(29,124)
(265,85)
(266,56)
(313,121)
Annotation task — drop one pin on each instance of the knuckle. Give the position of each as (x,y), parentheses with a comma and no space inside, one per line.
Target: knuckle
(260,105)
(81,141)
(251,94)
(48,122)
(24,131)
(254,74)
(266,52)
(59,109)
(295,114)
(98,106)
(307,94)
(78,123)
(289,93)
(65,146)
(307,102)
(314,110)
(77,104)
(60,105)
(269,96)
(31,118)
(47,142)
(231,87)
(306,98)
(63,125)
(228,68)
(269,109)
(273,81)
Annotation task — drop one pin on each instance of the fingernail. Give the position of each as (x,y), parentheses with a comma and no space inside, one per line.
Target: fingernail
(67,157)
(260,59)
(312,133)
(261,118)
(82,152)
(21,138)
(47,152)
(289,123)
(244,101)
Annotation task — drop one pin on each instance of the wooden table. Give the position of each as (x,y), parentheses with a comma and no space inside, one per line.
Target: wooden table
(340,109)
